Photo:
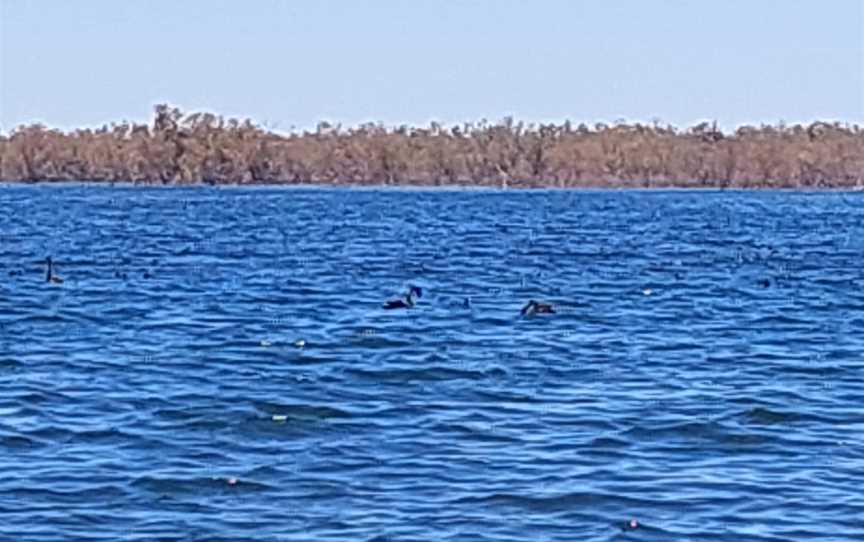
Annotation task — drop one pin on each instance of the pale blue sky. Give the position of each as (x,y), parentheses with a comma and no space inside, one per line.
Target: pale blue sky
(292,63)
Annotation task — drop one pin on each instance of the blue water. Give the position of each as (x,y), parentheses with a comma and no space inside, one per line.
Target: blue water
(160,392)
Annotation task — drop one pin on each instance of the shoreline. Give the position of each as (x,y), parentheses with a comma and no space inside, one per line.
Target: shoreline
(202,149)
(430,188)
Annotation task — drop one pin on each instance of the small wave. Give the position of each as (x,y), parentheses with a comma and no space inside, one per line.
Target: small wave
(565,501)
(302,411)
(425,373)
(175,486)
(766,416)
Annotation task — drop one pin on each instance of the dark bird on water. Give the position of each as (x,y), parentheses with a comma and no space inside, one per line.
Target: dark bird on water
(49,274)
(533,307)
(408,302)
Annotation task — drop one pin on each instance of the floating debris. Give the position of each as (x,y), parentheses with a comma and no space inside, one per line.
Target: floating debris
(414,292)
(279,417)
(266,343)
(533,307)
(647,291)
(299,343)
(630,525)
(50,276)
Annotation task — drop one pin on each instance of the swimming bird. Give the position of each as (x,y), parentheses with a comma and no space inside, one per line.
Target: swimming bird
(532,307)
(408,302)
(49,274)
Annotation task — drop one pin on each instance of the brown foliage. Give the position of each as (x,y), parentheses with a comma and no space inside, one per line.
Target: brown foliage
(204,148)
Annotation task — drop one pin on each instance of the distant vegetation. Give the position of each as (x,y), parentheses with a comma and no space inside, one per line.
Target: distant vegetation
(205,148)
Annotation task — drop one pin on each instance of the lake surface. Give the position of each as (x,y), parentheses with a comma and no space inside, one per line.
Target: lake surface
(160,392)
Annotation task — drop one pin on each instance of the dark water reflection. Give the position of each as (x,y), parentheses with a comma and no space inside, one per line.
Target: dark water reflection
(674,385)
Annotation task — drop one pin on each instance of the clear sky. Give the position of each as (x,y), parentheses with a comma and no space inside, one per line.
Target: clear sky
(292,63)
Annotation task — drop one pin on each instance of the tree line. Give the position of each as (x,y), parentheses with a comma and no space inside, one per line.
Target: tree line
(198,148)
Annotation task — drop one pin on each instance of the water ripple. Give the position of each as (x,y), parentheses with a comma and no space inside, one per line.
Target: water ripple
(217,366)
